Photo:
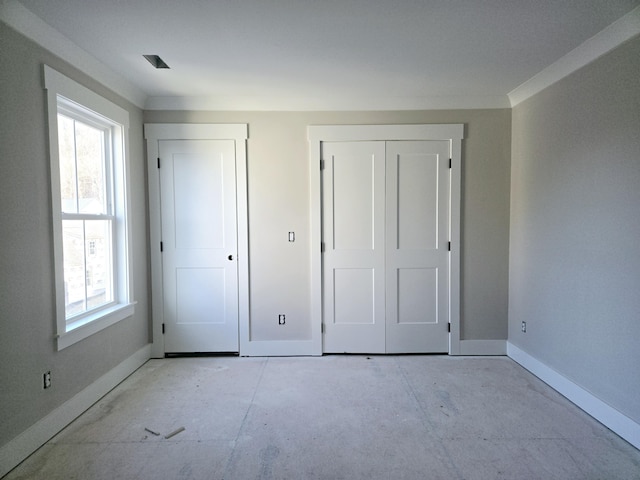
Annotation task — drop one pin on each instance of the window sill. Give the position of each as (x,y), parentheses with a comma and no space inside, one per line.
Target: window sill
(94,323)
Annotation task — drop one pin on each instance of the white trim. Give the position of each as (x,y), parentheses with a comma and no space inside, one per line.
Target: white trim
(354,133)
(155,236)
(454,133)
(455,225)
(72,90)
(604,413)
(333,104)
(112,116)
(33,27)
(15,451)
(483,347)
(611,37)
(94,323)
(197,131)
(280,348)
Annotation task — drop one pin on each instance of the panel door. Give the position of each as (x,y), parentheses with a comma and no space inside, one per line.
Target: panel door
(199,235)
(353,237)
(417,256)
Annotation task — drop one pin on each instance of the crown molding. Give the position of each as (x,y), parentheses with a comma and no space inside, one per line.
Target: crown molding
(620,31)
(18,17)
(334,104)
(14,14)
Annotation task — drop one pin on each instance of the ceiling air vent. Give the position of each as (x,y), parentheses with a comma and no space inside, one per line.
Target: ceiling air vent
(156,61)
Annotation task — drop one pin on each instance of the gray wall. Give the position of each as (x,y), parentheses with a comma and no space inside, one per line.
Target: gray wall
(27,323)
(575,228)
(278,203)
(278,180)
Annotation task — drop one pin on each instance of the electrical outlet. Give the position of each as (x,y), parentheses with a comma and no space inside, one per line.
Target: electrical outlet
(281,319)
(46,380)
(524,327)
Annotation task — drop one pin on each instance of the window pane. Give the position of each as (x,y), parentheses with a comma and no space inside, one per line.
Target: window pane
(66,146)
(74,269)
(88,266)
(90,166)
(99,264)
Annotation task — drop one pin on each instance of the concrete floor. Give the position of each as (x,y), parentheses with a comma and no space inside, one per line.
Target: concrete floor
(333,417)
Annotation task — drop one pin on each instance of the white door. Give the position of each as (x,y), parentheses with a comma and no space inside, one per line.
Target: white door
(353,236)
(385,234)
(417,254)
(199,239)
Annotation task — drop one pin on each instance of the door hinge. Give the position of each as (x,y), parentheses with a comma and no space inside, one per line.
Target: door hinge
(449,163)
(321,164)
(158,162)
(163,328)
(449,246)
(322,328)
(449,327)
(161,247)
(321,247)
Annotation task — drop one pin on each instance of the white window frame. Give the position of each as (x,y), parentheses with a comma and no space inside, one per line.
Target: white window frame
(61,90)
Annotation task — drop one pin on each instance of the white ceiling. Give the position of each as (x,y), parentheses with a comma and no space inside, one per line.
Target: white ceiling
(393,50)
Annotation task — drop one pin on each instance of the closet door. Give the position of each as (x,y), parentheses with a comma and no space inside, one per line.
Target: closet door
(386,258)
(353,191)
(417,255)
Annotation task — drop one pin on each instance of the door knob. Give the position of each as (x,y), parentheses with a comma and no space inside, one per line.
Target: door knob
(230,257)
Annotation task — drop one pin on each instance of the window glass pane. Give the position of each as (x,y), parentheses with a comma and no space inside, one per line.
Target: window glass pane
(90,167)
(88,265)
(74,269)
(99,265)
(66,145)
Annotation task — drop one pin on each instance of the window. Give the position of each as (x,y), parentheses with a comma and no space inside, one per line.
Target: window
(88,141)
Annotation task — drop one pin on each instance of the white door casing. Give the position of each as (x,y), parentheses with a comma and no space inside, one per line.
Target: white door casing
(235,134)
(452,136)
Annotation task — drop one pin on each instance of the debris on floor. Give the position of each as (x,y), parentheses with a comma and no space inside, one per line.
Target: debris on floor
(152,432)
(175,432)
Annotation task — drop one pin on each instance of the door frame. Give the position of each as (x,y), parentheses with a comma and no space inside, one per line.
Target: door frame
(153,132)
(316,134)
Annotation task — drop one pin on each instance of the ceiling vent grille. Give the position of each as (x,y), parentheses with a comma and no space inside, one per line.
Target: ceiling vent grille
(156,61)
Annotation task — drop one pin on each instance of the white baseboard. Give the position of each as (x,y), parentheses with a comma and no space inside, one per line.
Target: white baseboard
(604,413)
(282,348)
(14,452)
(483,347)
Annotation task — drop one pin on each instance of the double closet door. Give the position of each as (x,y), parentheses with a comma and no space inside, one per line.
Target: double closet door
(385,260)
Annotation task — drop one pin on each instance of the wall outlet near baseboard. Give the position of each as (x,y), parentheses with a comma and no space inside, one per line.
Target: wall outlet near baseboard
(281,319)
(46,380)
(524,327)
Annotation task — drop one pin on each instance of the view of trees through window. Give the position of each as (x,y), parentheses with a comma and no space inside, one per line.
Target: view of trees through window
(87,216)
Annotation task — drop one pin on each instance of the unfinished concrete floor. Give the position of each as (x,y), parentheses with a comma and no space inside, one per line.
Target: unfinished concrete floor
(333,417)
